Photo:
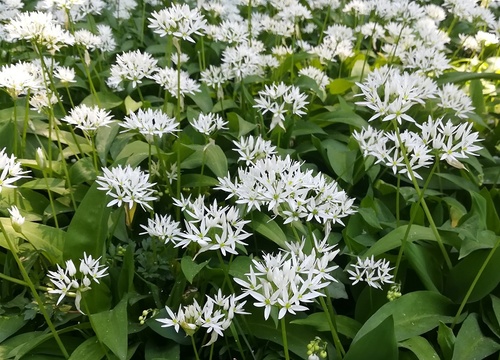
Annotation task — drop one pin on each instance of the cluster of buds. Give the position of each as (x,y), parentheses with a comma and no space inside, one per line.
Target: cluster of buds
(145,315)
(394,292)
(316,349)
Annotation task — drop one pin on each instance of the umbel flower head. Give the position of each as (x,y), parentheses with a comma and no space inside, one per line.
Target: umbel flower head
(150,123)
(131,66)
(72,282)
(127,185)
(88,118)
(10,170)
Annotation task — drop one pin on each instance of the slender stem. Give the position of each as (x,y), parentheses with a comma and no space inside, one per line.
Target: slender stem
(52,206)
(476,279)
(30,284)
(420,195)
(330,318)
(285,340)
(194,348)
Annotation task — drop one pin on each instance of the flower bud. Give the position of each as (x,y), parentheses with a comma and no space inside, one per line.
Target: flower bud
(16,219)
(40,159)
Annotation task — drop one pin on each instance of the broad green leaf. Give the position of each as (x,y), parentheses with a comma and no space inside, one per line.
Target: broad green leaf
(105,100)
(46,238)
(131,105)
(446,340)
(224,105)
(345,325)
(133,153)
(57,186)
(476,95)
(190,268)
(31,343)
(126,278)
(267,227)
(216,160)
(306,128)
(157,351)
(168,332)
(9,325)
(495,302)
(471,343)
(341,159)
(198,180)
(414,314)
(457,76)
(88,229)
(339,86)
(239,126)
(82,171)
(104,139)
(426,264)
(240,266)
(305,83)
(202,99)
(463,274)
(421,347)
(111,328)
(90,349)
(393,239)
(336,115)
(377,344)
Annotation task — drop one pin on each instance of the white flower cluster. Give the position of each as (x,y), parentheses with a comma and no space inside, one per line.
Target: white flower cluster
(215,316)
(288,191)
(127,185)
(178,20)
(208,124)
(169,78)
(279,99)
(290,278)
(10,170)
(374,273)
(150,123)
(73,282)
(252,149)
(131,66)
(211,227)
(88,119)
(21,78)
(164,228)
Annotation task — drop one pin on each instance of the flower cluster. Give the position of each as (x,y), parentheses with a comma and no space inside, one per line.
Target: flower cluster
(279,99)
(73,282)
(215,316)
(252,149)
(88,119)
(290,278)
(10,170)
(131,66)
(150,123)
(127,185)
(208,124)
(20,79)
(374,273)
(288,191)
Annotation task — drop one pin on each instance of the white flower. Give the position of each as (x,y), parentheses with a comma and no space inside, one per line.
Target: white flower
(127,185)
(88,118)
(168,79)
(208,124)
(65,74)
(150,123)
(374,273)
(10,170)
(21,78)
(16,219)
(163,228)
(131,66)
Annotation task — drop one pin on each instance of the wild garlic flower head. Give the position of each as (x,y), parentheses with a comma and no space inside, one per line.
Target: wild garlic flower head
(289,279)
(178,20)
(108,42)
(9,9)
(427,60)
(317,75)
(86,39)
(374,273)
(72,282)
(287,191)
(244,60)
(252,149)
(21,78)
(127,185)
(211,227)
(10,170)
(131,66)
(215,77)
(451,97)
(231,32)
(88,119)
(150,123)
(42,100)
(39,27)
(16,219)
(278,99)
(169,80)
(390,93)
(208,124)
(215,316)
(65,74)
(164,228)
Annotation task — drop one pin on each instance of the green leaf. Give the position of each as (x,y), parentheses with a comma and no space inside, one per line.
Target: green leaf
(377,344)
(339,86)
(105,100)
(393,239)
(82,171)
(9,325)
(457,76)
(104,139)
(340,158)
(198,180)
(156,351)
(88,229)
(131,105)
(338,115)
(126,278)
(216,160)
(202,99)
(345,325)
(471,343)
(267,227)
(240,266)
(421,347)
(414,314)
(446,340)
(133,153)
(57,186)
(111,328)
(463,274)
(190,268)
(90,349)
(426,264)
(46,238)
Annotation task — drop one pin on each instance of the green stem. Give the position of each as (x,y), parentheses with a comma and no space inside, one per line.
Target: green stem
(194,348)
(328,309)
(30,284)
(473,285)
(285,340)
(420,195)
(52,206)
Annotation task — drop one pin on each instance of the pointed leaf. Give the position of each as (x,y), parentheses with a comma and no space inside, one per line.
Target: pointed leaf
(90,349)
(190,268)
(471,343)
(421,347)
(267,227)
